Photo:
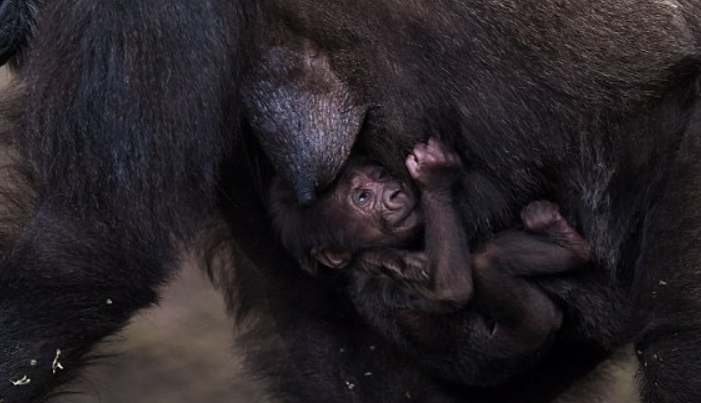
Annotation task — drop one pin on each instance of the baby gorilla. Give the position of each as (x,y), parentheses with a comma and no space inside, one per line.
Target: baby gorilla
(410,272)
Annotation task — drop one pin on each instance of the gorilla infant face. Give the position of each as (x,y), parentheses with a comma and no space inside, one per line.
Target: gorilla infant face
(375,208)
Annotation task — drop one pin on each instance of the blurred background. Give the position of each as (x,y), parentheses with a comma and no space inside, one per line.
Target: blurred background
(179,351)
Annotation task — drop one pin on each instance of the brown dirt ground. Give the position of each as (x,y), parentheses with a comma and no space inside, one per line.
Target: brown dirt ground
(180,351)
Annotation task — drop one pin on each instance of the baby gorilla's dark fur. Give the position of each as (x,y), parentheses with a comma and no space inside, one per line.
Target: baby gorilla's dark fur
(417,290)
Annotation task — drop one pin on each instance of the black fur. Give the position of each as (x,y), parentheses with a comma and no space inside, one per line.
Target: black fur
(127,122)
(121,183)
(17,20)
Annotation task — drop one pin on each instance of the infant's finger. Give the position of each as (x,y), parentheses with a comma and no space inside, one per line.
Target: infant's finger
(432,158)
(432,142)
(439,151)
(412,165)
(420,148)
(436,145)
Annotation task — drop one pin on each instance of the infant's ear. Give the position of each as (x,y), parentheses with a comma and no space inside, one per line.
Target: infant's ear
(331,258)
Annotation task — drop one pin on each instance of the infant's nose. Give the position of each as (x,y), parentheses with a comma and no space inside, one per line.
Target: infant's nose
(394,197)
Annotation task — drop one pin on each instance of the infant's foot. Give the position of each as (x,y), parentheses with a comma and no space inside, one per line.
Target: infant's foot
(540,216)
(543,217)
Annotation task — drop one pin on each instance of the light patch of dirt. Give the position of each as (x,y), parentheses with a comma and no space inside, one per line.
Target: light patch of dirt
(180,351)
(4,76)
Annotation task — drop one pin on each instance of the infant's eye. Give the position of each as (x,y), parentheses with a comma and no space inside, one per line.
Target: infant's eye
(363,196)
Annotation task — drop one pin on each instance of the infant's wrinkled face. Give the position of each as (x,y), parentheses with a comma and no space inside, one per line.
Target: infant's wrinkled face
(378,209)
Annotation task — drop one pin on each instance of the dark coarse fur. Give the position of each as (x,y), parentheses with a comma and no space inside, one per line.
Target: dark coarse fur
(588,118)
(127,121)
(121,183)
(17,28)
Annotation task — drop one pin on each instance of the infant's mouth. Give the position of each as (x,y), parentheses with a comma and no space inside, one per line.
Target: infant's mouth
(401,218)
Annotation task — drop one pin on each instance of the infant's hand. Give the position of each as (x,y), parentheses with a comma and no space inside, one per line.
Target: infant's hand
(433,166)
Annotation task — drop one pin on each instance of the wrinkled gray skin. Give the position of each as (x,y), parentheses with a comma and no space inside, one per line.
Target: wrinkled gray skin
(140,120)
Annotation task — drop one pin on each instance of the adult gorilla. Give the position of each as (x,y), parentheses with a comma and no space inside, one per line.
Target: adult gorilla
(136,121)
